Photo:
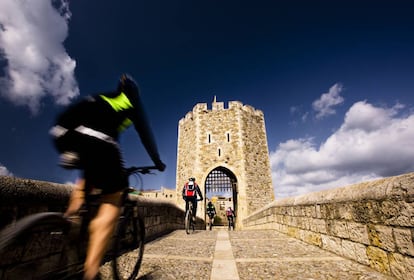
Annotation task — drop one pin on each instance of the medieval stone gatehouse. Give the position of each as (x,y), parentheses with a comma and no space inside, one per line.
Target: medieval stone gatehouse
(226,150)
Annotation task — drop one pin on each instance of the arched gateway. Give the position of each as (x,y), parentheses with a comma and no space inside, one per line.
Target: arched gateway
(221,189)
(226,150)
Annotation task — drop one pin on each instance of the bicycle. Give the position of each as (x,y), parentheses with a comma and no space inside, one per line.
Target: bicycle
(59,243)
(188,220)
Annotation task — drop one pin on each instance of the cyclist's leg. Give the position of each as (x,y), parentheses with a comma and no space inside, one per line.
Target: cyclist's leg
(211,221)
(103,171)
(77,198)
(100,231)
(195,208)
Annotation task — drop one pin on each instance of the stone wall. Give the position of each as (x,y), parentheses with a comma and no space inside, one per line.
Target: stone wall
(371,223)
(22,197)
(259,187)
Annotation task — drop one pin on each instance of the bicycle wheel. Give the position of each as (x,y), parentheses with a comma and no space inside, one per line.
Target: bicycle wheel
(188,221)
(128,248)
(35,246)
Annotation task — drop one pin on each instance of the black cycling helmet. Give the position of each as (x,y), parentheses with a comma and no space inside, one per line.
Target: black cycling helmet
(126,83)
(191,179)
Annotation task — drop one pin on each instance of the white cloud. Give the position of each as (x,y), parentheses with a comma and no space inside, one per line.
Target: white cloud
(31,41)
(372,142)
(324,106)
(4,171)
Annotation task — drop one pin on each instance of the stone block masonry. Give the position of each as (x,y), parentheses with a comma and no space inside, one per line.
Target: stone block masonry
(371,222)
(234,139)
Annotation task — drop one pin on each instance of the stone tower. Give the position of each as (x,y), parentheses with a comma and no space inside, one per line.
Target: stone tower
(225,148)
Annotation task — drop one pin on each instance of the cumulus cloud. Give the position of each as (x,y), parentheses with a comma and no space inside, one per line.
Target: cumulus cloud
(4,171)
(372,142)
(324,106)
(31,44)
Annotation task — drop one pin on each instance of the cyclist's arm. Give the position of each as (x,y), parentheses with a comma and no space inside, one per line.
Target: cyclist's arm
(199,193)
(142,126)
(183,193)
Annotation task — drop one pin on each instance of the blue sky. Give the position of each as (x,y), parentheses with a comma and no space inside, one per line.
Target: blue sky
(333,78)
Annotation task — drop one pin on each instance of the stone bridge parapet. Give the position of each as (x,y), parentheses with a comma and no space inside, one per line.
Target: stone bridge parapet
(22,197)
(371,222)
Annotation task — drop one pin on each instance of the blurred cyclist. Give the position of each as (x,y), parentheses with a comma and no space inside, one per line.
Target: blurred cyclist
(86,136)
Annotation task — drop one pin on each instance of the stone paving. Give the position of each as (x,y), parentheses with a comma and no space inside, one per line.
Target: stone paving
(265,254)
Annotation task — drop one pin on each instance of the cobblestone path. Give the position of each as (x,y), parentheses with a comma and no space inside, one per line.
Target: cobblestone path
(245,255)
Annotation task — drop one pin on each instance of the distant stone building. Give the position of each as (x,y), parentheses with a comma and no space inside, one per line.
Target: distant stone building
(226,150)
(163,193)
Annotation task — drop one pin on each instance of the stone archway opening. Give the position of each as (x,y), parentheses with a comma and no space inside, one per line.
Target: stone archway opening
(221,189)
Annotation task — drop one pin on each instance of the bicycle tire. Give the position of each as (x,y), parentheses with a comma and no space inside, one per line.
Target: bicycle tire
(128,248)
(35,246)
(187,221)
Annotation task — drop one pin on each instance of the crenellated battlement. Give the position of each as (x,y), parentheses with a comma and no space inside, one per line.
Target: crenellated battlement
(221,106)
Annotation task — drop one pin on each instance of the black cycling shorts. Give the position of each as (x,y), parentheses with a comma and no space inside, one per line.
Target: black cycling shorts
(100,161)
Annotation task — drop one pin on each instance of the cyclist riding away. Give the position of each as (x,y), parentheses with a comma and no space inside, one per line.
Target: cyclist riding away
(86,136)
(190,191)
(230,217)
(211,213)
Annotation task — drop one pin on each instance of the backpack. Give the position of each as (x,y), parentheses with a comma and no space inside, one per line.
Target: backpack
(229,213)
(190,189)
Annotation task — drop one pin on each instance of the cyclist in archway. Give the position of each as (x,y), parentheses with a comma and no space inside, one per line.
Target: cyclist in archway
(211,213)
(190,192)
(230,217)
